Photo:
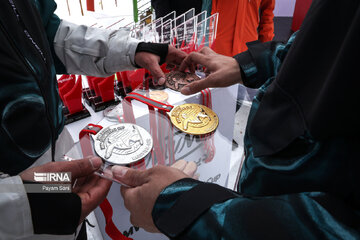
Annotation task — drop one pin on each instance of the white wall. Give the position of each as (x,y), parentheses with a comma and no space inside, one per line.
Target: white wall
(284,8)
(124,8)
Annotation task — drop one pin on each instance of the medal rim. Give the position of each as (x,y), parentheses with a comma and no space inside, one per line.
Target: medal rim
(172,119)
(159,91)
(122,124)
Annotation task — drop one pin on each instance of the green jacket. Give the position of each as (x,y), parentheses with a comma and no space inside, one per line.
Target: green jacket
(30,108)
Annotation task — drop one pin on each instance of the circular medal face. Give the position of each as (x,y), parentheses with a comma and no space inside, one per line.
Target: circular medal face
(159,96)
(176,80)
(194,119)
(122,143)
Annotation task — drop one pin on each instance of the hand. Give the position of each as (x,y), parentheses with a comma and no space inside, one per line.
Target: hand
(151,62)
(224,71)
(146,187)
(91,188)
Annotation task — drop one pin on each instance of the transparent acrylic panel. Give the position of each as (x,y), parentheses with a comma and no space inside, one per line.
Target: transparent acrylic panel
(190,34)
(189,14)
(201,16)
(178,34)
(157,25)
(166,31)
(171,16)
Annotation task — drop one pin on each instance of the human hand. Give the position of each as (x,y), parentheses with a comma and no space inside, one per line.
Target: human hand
(146,187)
(91,188)
(151,61)
(224,71)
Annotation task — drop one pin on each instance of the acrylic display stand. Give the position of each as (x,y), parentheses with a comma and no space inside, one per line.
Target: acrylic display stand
(70,92)
(100,93)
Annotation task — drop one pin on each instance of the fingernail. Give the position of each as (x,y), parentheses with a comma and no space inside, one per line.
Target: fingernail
(119,171)
(95,162)
(185,90)
(161,80)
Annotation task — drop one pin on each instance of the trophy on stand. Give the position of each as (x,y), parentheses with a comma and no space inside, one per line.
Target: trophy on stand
(70,93)
(100,92)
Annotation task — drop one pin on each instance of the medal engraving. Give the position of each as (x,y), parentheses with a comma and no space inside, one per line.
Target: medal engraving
(194,119)
(122,143)
(176,80)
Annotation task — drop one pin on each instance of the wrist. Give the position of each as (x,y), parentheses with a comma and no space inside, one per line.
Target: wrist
(159,49)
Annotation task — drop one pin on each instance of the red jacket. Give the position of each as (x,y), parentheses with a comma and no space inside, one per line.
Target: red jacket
(242,21)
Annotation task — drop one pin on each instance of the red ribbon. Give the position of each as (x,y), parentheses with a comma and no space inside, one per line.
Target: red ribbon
(105,206)
(110,227)
(208,138)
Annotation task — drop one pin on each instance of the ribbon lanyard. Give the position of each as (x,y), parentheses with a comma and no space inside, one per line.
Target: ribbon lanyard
(163,146)
(208,138)
(209,145)
(191,118)
(106,208)
(150,102)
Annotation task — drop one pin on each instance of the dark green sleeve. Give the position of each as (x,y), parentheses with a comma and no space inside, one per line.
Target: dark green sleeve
(51,23)
(262,61)
(184,211)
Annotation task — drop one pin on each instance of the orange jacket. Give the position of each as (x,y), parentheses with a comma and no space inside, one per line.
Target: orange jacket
(242,21)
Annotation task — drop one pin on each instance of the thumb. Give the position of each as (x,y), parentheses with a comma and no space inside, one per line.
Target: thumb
(157,73)
(128,176)
(82,167)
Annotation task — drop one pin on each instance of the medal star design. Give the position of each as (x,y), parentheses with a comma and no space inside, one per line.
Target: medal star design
(124,141)
(193,119)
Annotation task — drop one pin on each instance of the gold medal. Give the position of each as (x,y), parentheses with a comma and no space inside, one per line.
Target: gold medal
(190,118)
(194,119)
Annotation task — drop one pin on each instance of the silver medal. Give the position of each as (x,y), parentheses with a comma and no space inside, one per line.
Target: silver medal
(122,143)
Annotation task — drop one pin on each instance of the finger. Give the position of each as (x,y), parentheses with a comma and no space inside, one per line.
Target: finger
(83,184)
(129,176)
(192,68)
(78,168)
(199,85)
(207,51)
(99,188)
(84,167)
(190,169)
(196,176)
(193,58)
(175,56)
(156,72)
(180,56)
(180,164)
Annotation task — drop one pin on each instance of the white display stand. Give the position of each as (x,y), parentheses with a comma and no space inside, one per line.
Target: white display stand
(187,147)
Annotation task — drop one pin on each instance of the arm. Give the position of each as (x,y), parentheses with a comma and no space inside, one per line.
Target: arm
(84,50)
(24,214)
(252,68)
(100,52)
(92,51)
(266,25)
(262,61)
(26,210)
(234,216)
(15,220)
(164,199)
